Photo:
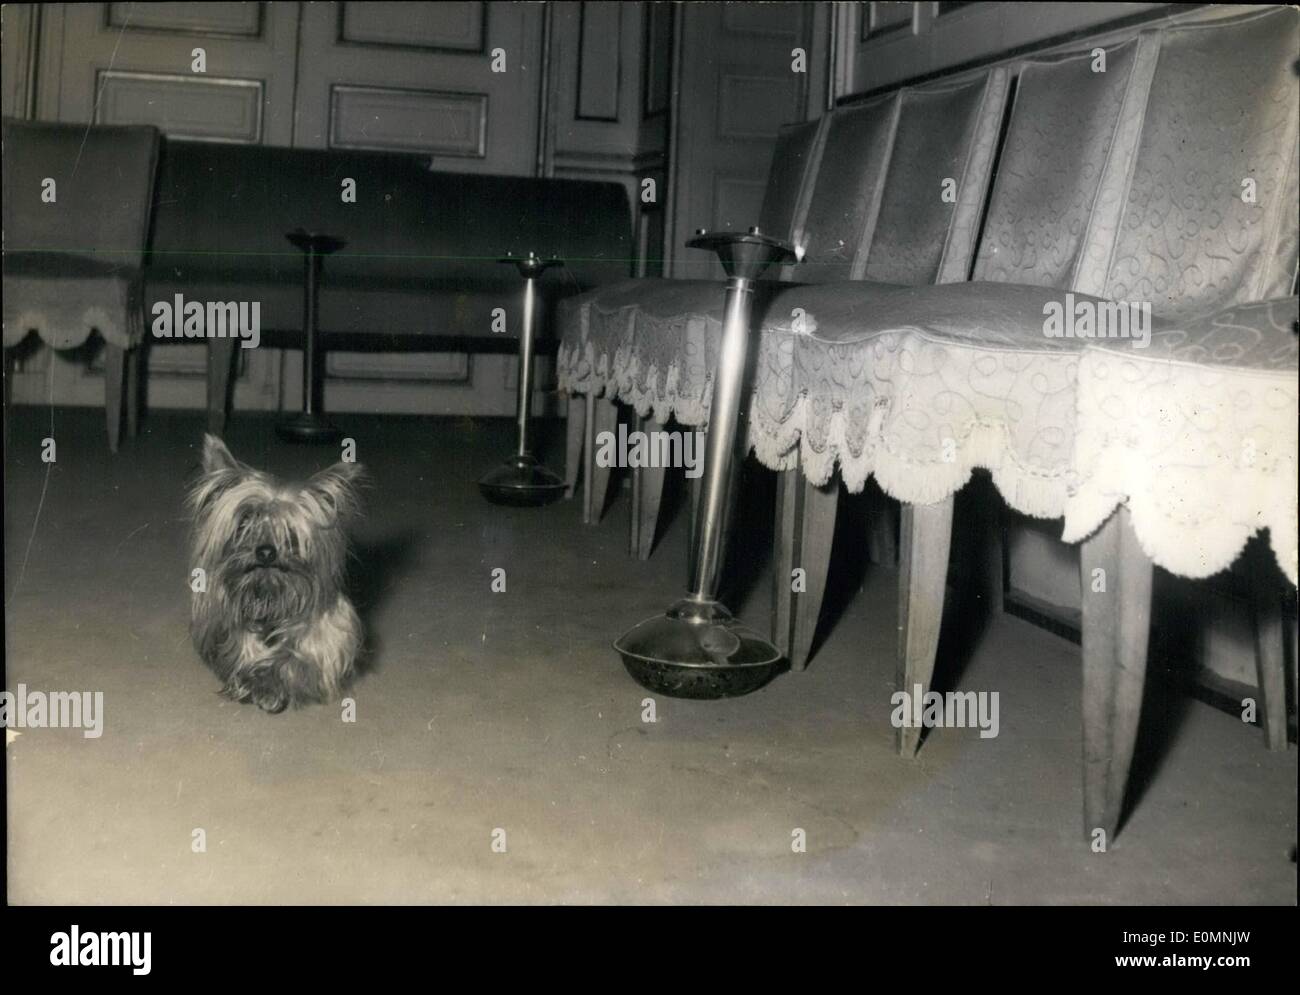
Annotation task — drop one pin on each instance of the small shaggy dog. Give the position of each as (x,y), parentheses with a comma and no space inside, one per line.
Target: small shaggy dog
(270,617)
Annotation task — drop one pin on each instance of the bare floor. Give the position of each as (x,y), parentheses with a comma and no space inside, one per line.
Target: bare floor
(509,711)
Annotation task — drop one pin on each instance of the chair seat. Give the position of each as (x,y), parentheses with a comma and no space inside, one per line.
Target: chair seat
(662,299)
(920,385)
(1001,316)
(660,322)
(63,298)
(64,266)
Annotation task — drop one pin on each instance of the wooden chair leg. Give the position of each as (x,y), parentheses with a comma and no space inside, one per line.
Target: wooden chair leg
(647,497)
(926,533)
(805,529)
(989,546)
(1116,577)
(1269,651)
(588,454)
(114,380)
(694,491)
(574,433)
(221,361)
(996,562)
(882,527)
(134,384)
(602,416)
(10,368)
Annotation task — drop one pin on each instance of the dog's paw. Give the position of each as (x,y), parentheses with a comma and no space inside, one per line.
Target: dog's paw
(267,692)
(271,701)
(236,691)
(263,687)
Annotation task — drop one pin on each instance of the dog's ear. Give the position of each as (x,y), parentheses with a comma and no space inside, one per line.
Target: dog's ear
(219,472)
(216,456)
(336,491)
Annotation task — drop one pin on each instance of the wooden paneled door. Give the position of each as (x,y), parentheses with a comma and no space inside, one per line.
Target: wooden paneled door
(419,78)
(736,85)
(135,63)
(403,77)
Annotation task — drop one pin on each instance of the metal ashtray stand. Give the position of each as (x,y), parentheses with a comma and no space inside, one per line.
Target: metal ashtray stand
(697,648)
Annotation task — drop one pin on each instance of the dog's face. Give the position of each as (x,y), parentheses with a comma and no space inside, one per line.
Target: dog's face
(273,552)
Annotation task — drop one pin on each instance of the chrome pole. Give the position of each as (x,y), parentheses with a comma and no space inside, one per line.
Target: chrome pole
(697,649)
(721,454)
(311,424)
(524,409)
(521,479)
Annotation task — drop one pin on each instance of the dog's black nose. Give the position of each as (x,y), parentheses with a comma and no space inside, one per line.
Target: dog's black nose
(265,554)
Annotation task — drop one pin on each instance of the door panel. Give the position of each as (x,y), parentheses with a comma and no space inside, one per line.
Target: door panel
(736,88)
(133,63)
(406,77)
(417,77)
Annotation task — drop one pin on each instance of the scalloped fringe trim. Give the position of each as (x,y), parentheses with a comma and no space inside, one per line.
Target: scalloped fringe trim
(1187,548)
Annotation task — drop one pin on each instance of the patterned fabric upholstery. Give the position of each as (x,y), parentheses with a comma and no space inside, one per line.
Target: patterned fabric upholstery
(844,203)
(1193,425)
(1192,422)
(655,345)
(794,159)
(829,215)
(901,363)
(1210,217)
(1061,135)
(946,137)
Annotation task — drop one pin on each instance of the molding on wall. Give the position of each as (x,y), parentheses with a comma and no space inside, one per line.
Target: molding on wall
(448,46)
(204,20)
(545,136)
(622,143)
(962,26)
(843,51)
(656,62)
(20,40)
(412,118)
(600,92)
(197,107)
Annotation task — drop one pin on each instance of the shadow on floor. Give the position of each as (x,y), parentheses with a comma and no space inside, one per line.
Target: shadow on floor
(377,566)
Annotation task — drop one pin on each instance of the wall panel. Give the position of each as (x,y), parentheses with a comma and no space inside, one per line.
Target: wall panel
(373,117)
(194,108)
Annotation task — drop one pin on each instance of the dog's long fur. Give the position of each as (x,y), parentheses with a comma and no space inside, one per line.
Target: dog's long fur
(274,623)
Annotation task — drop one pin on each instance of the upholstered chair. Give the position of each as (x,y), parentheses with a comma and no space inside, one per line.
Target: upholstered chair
(77,203)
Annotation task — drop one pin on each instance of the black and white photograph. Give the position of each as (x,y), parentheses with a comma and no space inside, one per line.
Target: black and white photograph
(650,454)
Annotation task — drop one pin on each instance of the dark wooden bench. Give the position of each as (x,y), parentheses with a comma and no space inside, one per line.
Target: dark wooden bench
(419,268)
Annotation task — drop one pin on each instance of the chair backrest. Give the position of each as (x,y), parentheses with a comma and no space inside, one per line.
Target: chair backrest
(940,163)
(103,180)
(1071,135)
(842,202)
(862,190)
(1209,219)
(792,164)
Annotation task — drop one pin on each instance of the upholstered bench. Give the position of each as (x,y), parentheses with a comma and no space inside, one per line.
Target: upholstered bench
(419,264)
